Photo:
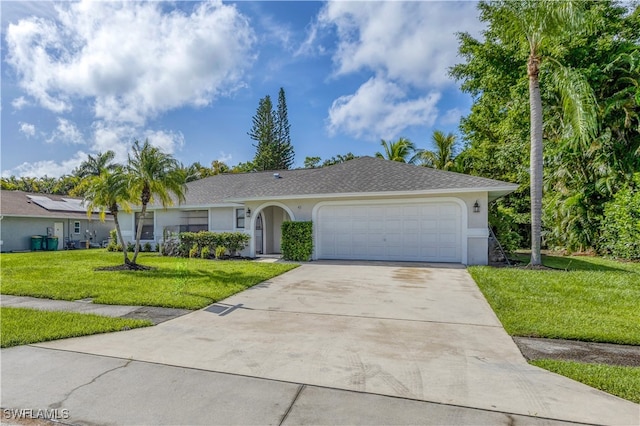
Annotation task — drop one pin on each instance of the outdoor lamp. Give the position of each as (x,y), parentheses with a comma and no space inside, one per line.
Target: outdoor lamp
(248,212)
(476,207)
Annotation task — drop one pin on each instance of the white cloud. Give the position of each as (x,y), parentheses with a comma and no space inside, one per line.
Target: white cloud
(407,46)
(414,42)
(167,141)
(131,58)
(66,132)
(452,116)
(224,158)
(47,168)
(380,109)
(27,129)
(19,103)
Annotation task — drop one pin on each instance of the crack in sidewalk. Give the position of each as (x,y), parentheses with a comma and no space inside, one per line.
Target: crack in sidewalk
(59,403)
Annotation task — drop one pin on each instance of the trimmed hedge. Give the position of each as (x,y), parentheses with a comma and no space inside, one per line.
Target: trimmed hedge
(620,234)
(192,244)
(297,241)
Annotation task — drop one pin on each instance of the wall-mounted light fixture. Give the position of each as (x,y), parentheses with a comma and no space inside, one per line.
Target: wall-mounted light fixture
(248,212)
(476,207)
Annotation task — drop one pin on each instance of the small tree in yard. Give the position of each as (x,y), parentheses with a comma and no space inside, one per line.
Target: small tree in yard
(109,191)
(153,174)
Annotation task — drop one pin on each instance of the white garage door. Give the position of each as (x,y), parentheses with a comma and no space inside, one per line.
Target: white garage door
(425,232)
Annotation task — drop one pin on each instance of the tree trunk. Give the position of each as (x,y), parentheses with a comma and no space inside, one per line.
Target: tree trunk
(119,234)
(143,213)
(536,160)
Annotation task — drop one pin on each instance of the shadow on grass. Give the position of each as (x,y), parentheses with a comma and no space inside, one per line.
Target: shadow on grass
(563,263)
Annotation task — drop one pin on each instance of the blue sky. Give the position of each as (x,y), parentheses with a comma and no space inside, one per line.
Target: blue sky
(83,77)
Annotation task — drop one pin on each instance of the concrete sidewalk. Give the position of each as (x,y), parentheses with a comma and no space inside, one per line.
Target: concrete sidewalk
(97,390)
(154,314)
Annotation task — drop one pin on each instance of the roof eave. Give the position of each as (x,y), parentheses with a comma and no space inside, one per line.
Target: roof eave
(494,192)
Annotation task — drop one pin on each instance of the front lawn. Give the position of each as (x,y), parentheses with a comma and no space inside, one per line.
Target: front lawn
(616,380)
(588,299)
(175,283)
(20,326)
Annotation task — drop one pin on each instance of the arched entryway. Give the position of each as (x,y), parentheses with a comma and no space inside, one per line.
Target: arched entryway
(266,225)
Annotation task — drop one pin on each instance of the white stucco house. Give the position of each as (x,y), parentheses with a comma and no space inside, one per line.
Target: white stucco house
(364,209)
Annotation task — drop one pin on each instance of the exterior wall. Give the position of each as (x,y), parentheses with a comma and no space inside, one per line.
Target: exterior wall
(16,232)
(222,219)
(475,235)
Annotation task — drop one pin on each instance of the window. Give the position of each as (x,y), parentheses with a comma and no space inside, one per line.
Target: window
(195,221)
(239,218)
(147,226)
(76,227)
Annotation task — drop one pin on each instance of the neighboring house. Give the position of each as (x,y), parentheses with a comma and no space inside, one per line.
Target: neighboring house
(367,209)
(23,215)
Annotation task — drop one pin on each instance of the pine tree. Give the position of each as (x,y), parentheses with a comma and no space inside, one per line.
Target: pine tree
(284,149)
(263,132)
(270,130)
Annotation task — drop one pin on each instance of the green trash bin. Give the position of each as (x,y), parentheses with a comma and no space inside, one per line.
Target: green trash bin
(36,242)
(52,243)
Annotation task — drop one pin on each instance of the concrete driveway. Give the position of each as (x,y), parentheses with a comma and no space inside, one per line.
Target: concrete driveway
(414,331)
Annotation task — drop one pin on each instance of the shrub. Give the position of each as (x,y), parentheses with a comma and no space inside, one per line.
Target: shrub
(113,241)
(131,247)
(505,222)
(146,247)
(620,235)
(205,253)
(234,241)
(220,251)
(297,241)
(193,252)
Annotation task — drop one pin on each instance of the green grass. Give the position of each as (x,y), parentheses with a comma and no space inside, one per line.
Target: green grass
(588,299)
(616,380)
(176,283)
(20,326)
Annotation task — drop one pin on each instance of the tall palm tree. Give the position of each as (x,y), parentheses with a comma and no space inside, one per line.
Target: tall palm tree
(109,191)
(538,26)
(153,174)
(93,166)
(402,150)
(443,156)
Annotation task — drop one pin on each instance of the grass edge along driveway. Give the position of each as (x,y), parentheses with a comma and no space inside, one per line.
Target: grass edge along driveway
(174,283)
(586,298)
(22,326)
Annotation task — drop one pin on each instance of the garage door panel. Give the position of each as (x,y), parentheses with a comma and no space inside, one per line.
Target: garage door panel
(413,232)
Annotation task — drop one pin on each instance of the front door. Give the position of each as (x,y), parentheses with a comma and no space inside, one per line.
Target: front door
(258,234)
(58,231)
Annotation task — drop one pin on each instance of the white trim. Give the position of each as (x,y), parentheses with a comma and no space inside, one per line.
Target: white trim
(463,217)
(189,206)
(478,233)
(252,230)
(389,194)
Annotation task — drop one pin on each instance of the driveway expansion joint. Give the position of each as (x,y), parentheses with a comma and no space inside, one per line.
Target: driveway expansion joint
(293,402)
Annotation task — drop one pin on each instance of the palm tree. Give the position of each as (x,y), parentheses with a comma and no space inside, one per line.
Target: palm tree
(401,150)
(93,166)
(109,191)
(537,25)
(442,158)
(153,175)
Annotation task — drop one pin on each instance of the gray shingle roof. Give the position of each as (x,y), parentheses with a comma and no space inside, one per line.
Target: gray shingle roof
(360,176)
